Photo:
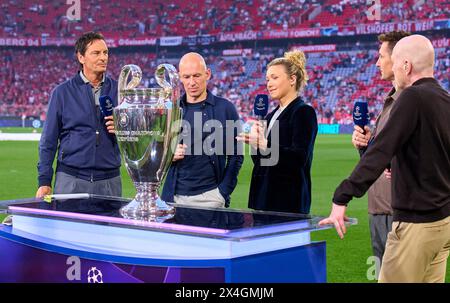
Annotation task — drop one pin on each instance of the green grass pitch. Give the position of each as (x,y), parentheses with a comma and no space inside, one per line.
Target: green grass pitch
(334,159)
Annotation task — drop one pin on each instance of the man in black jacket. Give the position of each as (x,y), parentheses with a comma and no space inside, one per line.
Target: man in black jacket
(417,140)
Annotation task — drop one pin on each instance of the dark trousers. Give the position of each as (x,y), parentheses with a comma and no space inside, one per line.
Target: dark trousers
(68,184)
(380,226)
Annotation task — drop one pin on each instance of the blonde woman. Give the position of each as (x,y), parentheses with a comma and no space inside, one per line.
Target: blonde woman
(285,186)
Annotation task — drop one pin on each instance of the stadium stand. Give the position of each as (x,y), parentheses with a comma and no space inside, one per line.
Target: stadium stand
(177,17)
(337,78)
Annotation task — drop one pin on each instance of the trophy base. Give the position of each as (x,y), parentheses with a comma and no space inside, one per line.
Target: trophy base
(147,206)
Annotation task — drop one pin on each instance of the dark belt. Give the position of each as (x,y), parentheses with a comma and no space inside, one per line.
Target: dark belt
(88,174)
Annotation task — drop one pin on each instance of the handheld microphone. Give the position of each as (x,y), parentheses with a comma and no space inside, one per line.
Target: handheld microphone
(261,106)
(361,114)
(106,105)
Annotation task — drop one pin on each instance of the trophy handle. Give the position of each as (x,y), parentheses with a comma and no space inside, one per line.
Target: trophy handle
(173,86)
(136,76)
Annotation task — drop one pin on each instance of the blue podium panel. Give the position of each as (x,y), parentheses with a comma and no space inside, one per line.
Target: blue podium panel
(86,240)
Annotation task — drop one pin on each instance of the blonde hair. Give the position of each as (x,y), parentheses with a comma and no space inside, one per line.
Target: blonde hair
(295,64)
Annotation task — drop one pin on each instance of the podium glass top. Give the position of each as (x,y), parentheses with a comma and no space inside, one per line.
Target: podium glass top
(228,224)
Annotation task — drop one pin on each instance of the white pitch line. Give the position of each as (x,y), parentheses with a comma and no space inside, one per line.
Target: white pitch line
(19,137)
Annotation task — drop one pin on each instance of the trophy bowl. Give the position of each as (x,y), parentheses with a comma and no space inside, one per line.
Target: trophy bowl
(147,123)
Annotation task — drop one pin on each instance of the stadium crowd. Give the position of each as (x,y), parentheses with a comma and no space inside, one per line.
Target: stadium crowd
(337,79)
(130,19)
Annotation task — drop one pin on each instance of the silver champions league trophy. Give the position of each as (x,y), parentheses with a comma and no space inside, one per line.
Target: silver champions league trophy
(147,123)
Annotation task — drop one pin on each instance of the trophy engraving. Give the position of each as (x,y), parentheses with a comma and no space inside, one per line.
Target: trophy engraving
(147,123)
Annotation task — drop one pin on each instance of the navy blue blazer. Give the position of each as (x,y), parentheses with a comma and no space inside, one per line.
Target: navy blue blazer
(286,186)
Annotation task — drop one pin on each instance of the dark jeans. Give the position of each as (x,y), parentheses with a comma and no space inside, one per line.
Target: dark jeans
(67,184)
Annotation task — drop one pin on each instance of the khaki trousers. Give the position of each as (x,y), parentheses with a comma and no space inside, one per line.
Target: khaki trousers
(211,198)
(416,252)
